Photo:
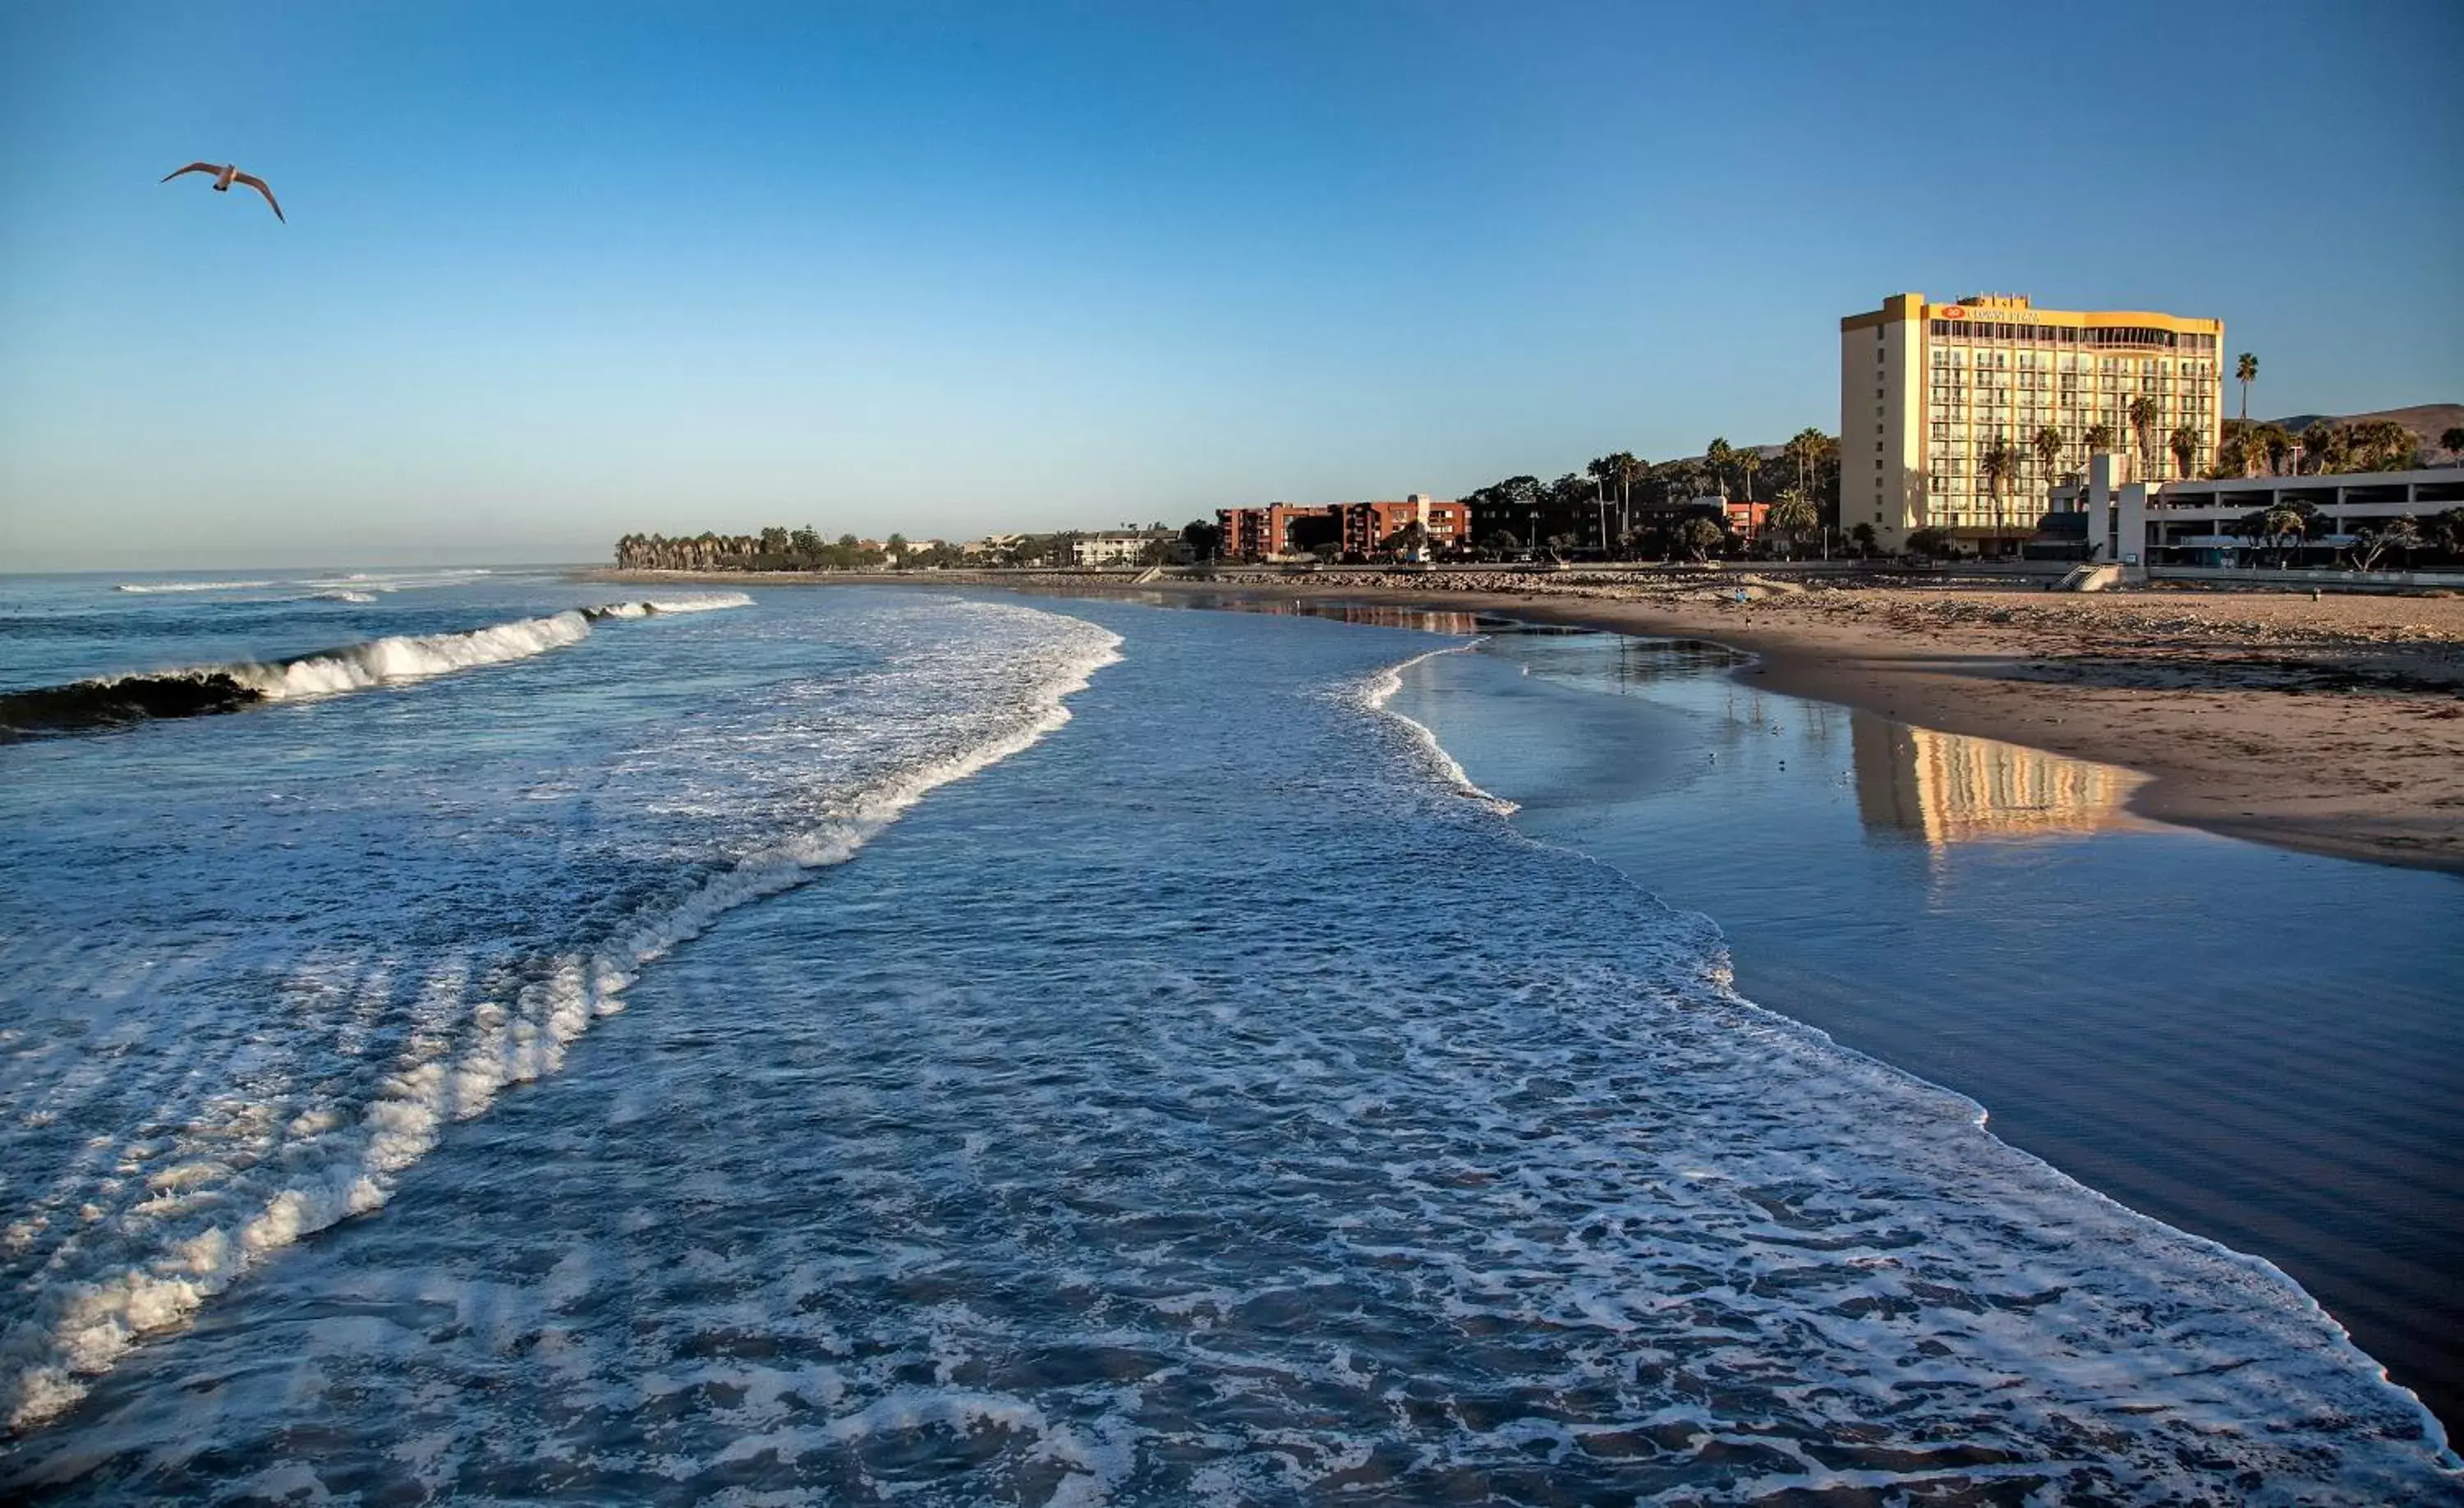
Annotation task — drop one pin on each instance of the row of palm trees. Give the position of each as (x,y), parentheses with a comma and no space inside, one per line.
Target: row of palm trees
(1806,449)
(702,552)
(1617,495)
(2003,462)
(2325,448)
(773,549)
(1624,505)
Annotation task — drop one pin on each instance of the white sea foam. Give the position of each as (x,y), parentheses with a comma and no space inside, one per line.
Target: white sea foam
(149,588)
(251,1171)
(690,602)
(407,657)
(699,603)
(1435,1166)
(1380,690)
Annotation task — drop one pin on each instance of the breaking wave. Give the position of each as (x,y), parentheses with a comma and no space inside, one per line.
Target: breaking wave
(150,588)
(693,603)
(201,690)
(209,1214)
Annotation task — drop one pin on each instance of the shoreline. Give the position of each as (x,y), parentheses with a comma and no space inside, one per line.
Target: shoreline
(2331,728)
(1954,957)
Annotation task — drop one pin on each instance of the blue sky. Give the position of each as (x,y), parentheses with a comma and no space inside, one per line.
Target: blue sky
(557,272)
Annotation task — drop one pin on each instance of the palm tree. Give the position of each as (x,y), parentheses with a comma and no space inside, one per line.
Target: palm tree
(2047,445)
(2275,442)
(2001,464)
(2184,443)
(2143,426)
(2380,445)
(1805,449)
(1790,516)
(1599,471)
(1718,456)
(2246,372)
(1630,470)
(1749,460)
(2099,437)
(2326,445)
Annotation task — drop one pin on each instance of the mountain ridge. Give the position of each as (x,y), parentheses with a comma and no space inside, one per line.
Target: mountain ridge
(2427,421)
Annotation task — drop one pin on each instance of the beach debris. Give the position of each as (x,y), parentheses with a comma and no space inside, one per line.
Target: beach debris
(226,174)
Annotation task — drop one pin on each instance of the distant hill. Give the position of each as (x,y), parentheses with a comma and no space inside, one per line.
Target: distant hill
(2427,421)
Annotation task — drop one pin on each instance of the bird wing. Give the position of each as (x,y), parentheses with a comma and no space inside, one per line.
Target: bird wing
(259,184)
(194,167)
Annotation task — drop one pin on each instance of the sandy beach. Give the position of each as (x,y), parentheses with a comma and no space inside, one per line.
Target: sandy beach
(2332,726)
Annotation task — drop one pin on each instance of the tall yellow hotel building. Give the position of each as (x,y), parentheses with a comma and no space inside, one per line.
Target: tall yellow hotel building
(1927,389)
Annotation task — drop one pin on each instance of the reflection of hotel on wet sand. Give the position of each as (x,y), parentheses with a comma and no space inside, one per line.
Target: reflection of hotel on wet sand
(1946,788)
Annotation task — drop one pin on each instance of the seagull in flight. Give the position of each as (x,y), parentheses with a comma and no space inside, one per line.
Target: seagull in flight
(226,175)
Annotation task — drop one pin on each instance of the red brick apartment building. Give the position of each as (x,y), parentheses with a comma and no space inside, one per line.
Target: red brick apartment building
(1352,528)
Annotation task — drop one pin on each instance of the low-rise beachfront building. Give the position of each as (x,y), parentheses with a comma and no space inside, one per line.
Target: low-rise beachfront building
(2220,521)
(2216,522)
(1362,528)
(1444,526)
(1928,390)
(1277,529)
(1118,547)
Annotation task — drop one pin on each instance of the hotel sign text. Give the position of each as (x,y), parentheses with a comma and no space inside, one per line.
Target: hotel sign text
(2005,316)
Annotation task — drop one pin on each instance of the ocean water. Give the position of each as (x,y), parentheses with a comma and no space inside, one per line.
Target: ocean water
(846,1045)
(2262,1046)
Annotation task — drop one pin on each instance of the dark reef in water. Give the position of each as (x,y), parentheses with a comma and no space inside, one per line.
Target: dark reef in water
(85,705)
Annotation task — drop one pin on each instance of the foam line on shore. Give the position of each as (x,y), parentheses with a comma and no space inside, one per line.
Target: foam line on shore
(1719,978)
(1380,690)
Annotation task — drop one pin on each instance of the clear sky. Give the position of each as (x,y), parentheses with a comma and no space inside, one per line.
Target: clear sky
(557,272)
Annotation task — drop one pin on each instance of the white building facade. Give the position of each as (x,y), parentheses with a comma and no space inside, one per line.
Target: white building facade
(1119,548)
